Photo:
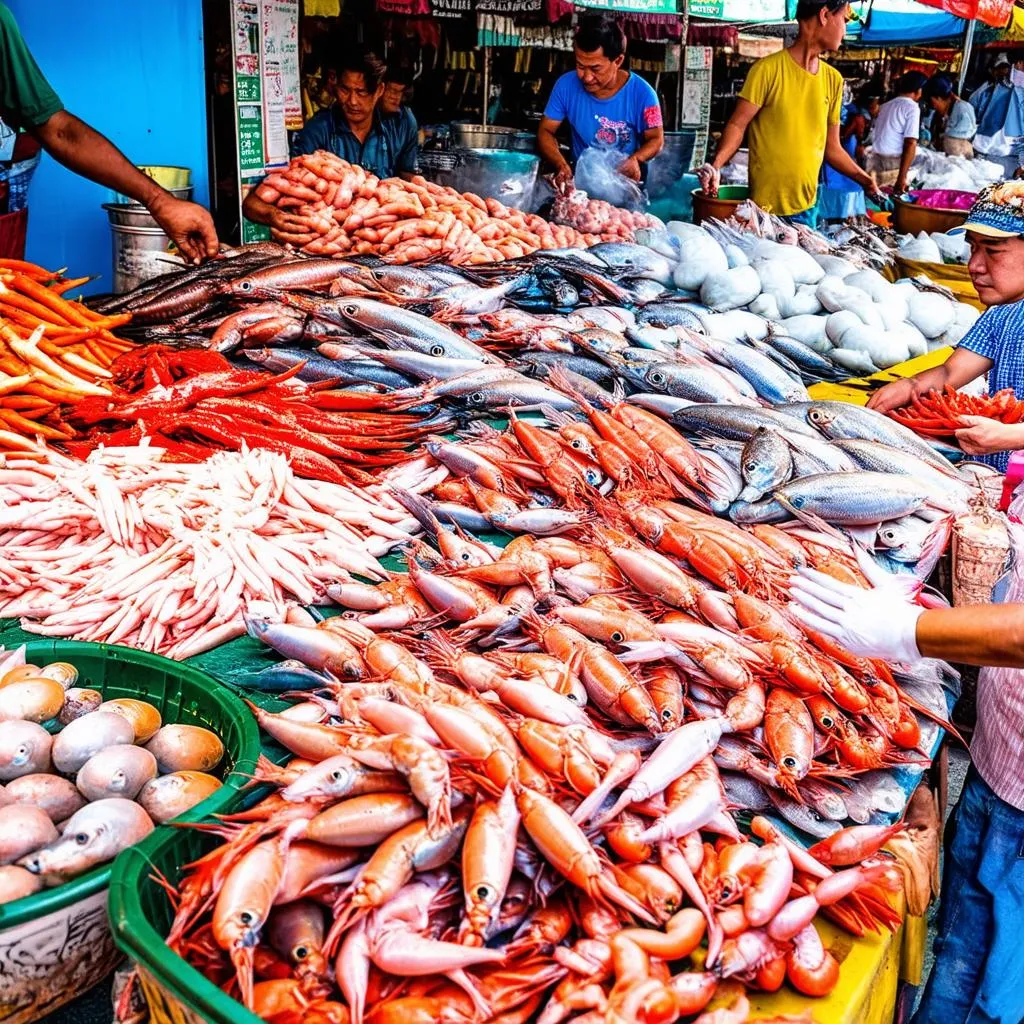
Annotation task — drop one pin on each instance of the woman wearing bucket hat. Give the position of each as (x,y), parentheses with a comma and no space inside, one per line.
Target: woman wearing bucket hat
(995,344)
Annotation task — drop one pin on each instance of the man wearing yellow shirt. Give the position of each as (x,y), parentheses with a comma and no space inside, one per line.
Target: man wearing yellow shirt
(790,108)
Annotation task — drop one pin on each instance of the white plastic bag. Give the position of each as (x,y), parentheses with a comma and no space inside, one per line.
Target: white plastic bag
(597,174)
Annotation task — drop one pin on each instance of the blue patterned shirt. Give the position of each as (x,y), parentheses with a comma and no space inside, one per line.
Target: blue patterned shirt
(998,335)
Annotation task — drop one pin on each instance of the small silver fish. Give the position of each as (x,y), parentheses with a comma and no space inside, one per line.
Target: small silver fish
(766,463)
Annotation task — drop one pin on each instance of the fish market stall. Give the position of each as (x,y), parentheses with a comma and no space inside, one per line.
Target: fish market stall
(491,521)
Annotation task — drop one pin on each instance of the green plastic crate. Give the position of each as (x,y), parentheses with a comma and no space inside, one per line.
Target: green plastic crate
(140,918)
(64,928)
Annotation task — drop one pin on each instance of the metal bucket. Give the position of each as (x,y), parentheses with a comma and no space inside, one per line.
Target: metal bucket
(140,246)
(180,192)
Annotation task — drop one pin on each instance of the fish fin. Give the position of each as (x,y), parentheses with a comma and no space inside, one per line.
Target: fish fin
(808,518)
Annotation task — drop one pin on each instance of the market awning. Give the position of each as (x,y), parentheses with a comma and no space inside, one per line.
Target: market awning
(990,12)
(901,21)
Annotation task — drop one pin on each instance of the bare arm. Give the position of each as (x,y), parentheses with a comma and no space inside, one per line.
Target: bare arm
(652,145)
(906,159)
(733,132)
(960,368)
(85,151)
(837,157)
(990,634)
(547,146)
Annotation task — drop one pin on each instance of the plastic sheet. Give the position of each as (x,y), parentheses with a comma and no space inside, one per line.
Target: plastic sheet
(943,198)
(597,174)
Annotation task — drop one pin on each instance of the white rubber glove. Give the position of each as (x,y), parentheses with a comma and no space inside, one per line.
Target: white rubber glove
(877,623)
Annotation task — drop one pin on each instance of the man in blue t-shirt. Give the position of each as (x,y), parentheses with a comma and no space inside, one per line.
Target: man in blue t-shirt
(604,105)
(993,346)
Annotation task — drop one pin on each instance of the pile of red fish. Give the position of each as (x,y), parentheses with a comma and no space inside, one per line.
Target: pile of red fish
(938,413)
(193,403)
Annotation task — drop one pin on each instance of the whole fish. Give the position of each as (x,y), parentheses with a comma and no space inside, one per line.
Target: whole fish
(498,388)
(735,422)
(468,299)
(805,818)
(633,261)
(316,367)
(766,463)
(670,314)
(300,275)
(884,458)
(691,380)
(538,364)
(843,499)
(285,676)
(766,377)
(417,365)
(802,355)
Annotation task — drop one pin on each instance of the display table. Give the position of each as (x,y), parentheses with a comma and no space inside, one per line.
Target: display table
(857,390)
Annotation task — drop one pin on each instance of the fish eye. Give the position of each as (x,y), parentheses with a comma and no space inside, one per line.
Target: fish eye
(483,891)
(337,775)
(82,838)
(657,377)
(617,637)
(789,762)
(750,467)
(300,952)
(827,721)
(573,698)
(465,556)
(247,917)
(350,310)
(477,398)
(437,350)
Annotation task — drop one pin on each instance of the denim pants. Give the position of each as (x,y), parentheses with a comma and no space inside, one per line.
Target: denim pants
(978,977)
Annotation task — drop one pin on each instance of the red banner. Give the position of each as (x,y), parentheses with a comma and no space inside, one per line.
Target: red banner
(992,12)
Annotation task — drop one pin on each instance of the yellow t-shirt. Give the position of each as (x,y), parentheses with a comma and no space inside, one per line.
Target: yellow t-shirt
(787,135)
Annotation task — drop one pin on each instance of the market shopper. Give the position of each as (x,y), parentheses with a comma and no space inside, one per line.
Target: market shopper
(958,121)
(353,128)
(392,101)
(28,102)
(991,102)
(978,974)
(839,196)
(605,105)
(896,131)
(995,230)
(790,109)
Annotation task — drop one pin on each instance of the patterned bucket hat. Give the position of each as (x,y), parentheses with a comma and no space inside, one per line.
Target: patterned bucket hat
(998,211)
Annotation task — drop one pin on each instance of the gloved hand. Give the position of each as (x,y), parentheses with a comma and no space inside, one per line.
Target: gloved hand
(876,623)
(710,178)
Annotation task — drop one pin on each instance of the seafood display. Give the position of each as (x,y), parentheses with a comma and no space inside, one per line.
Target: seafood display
(167,556)
(74,799)
(53,351)
(938,413)
(595,216)
(353,211)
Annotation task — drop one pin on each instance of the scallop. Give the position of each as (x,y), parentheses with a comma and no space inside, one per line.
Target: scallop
(180,748)
(23,830)
(34,700)
(61,671)
(89,735)
(56,796)
(78,702)
(24,749)
(16,883)
(15,675)
(145,718)
(120,770)
(170,795)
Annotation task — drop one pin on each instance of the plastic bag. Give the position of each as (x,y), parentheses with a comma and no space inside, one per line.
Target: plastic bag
(597,174)
(596,217)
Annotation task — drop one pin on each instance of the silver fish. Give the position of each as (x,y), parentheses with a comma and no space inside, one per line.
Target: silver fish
(693,381)
(803,817)
(766,377)
(884,458)
(736,422)
(744,792)
(633,261)
(843,499)
(766,463)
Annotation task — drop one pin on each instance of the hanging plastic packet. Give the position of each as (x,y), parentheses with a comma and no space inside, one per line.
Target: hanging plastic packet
(597,174)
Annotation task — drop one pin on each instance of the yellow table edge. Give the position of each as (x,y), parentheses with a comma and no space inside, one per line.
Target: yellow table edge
(857,390)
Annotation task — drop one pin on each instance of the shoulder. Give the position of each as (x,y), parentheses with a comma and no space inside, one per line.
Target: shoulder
(767,67)
(321,119)
(832,78)
(316,130)
(7,22)
(567,84)
(642,89)
(994,328)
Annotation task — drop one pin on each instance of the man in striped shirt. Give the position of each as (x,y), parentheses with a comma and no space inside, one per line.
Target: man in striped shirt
(995,344)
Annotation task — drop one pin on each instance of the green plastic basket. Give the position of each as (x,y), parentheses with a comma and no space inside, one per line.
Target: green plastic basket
(64,929)
(140,917)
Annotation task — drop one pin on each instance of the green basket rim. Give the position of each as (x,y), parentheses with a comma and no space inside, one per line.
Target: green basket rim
(135,935)
(48,901)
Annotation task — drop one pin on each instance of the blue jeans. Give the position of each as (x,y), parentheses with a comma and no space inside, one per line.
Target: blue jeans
(978,977)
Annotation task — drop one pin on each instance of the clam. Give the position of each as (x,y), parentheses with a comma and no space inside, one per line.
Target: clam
(179,748)
(56,796)
(34,700)
(145,718)
(24,749)
(78,702)
(170,795)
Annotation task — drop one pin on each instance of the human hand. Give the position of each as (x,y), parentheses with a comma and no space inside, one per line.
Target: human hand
(899,186)
(290,229)
(981,435)
(188,225)
(893,396)
(630,168)
(872,623)
(563,178)
(710,178)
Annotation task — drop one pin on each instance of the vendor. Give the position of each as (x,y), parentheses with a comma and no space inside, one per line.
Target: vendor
(392,101)
(605,105)
(991,102)
(995,230)
(28,102)
(958,122)
(790,107)
(896,131)
(840,197)
(978,975)
(353,129)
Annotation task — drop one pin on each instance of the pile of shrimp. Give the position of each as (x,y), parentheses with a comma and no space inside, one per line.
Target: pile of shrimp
(505,793)
(353,211)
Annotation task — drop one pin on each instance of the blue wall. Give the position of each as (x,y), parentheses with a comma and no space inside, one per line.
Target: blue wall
(133,69)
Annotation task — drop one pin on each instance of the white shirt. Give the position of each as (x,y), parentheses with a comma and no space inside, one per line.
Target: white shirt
(897,120)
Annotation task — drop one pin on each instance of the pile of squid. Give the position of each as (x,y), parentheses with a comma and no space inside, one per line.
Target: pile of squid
(350,210)
(192,403)
(167,556)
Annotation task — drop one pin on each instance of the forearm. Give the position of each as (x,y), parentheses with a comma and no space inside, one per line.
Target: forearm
(907,158)
(259,211)
(991,634)
(85,151)
(547,144)
(837,158)
(650,149)
(729,142)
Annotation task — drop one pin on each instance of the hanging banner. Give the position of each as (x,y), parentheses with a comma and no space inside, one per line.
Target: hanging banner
(738,10)
(696,107)
(990,12)
(632,6)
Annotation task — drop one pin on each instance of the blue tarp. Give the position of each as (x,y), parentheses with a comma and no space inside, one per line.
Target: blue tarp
(902,21)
